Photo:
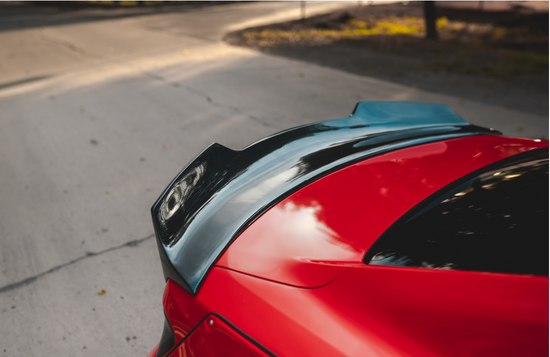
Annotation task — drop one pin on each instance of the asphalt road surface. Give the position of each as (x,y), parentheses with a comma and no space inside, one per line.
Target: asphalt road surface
(99,109)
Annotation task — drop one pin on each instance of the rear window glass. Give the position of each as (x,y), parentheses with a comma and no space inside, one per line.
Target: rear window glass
(496,221)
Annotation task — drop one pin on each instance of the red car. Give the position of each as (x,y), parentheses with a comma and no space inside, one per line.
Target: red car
(400,231)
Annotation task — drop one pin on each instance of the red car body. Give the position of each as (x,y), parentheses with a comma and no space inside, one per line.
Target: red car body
(294,281)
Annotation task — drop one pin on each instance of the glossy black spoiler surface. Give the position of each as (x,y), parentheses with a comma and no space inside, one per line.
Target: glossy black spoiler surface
(219,193)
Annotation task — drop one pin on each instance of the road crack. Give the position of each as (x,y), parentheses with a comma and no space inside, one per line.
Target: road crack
(70,46)
(27,281)
(230,107)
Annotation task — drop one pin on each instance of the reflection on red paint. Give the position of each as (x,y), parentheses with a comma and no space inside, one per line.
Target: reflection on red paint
(292,236)
(177,313)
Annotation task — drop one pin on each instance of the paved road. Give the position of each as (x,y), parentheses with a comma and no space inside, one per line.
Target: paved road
(98,114)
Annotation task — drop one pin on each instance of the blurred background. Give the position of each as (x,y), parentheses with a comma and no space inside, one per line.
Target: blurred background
(102,103)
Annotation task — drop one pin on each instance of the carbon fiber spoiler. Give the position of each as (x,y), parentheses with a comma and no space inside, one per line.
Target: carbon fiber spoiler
(222,191)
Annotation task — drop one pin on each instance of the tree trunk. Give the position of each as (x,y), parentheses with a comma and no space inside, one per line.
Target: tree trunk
(429,16)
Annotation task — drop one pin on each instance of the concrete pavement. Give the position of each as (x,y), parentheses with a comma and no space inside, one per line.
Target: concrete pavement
(97,117)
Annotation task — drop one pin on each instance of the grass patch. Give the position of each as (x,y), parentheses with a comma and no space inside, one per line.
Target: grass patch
(463,47)
(392,26)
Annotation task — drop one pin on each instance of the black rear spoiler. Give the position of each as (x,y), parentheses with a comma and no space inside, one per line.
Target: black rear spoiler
(221,192)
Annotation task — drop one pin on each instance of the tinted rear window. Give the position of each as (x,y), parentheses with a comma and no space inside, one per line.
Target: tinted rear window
(496,221)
